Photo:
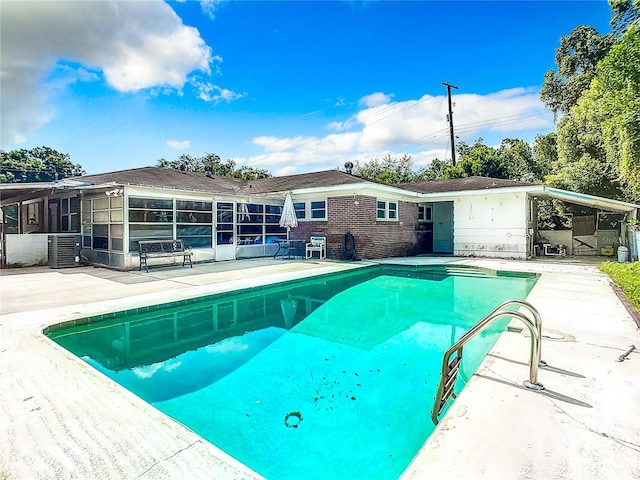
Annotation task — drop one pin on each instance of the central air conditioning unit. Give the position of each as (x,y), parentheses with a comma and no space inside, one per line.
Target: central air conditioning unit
(63,251)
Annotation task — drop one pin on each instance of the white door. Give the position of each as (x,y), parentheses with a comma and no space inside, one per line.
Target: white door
(225,232)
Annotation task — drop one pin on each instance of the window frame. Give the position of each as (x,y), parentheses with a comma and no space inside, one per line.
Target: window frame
(69,222)
(306,209)
(425,213)
(389,209)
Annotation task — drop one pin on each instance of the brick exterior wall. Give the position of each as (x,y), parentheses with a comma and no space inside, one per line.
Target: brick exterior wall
(356,214)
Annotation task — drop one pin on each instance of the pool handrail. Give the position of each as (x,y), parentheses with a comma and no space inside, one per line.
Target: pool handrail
(449,370)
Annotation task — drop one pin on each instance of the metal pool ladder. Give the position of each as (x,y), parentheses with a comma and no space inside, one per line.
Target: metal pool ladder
(451,368)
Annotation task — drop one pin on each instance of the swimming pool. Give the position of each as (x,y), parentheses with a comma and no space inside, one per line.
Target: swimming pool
(330,377)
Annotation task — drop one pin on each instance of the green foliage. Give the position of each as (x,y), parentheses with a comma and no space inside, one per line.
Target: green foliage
(625,13)
(214,164)
(512,160)
(517,156)
(40,164)
(251,173)
(614,97)
(552,216)
(437,170)
(388,169)
(599,142)
(576,58)
(545,154)
(627,277)
(483,161)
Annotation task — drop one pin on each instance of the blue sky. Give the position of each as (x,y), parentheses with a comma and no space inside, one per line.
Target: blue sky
(292,87)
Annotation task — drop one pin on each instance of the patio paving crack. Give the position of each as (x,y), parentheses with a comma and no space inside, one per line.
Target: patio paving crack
(169,457)
(624,443)
(550,395)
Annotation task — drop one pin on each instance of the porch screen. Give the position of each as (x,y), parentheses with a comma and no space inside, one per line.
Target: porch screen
(194,223)
(149,219)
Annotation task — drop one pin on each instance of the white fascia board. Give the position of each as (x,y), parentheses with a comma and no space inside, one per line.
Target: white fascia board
(358,189)
(167,192)
(97,186)
(532,190)
(28,186)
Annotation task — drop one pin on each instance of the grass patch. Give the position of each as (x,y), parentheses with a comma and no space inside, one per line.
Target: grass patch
(627,277)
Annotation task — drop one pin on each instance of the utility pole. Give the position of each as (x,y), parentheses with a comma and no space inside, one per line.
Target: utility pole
(453,144)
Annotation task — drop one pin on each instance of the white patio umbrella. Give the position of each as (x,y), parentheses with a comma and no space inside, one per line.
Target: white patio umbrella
(288,218)
(289,307)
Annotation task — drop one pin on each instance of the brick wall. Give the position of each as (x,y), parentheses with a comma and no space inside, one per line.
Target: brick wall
(356,214)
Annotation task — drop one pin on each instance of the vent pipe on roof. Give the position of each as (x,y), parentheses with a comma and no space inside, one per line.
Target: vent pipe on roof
(348,167)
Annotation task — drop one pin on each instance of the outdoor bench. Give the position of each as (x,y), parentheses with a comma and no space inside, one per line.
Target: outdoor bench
(150,249)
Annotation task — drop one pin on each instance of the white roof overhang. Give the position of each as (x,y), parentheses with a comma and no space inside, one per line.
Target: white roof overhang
(360,188)
(592,201)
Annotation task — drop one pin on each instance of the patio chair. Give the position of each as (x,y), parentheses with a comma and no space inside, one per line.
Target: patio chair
(317,244)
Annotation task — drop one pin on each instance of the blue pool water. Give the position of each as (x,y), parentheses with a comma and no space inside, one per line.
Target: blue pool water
(329,378)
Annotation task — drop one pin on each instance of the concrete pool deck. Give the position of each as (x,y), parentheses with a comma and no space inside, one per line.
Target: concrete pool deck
(60,418)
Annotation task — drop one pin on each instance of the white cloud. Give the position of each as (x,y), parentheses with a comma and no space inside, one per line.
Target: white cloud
(375,99)
(213,93)
(135,44)
(417,127)
(210,6)
(179,145)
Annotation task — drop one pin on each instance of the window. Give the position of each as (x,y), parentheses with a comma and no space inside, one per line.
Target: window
(319,210)
(387,210)
(311,210)
(156,219)
(10,216)
(102,223)
(149,219)
(273,230)
(300,209)
(194,223)
(224,223)
(150,210)
(258,224)
(101,237)
(250,221)
(425,213)
(392,211)
(69,214)
(33,214)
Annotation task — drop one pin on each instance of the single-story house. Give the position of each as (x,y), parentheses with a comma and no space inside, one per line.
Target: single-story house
(220,218)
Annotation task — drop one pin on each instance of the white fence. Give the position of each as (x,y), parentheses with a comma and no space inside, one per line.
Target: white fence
(27,249)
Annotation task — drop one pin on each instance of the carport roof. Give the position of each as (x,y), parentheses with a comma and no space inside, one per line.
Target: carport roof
(589,200)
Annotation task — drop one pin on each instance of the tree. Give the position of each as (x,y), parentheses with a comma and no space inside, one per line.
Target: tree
(483,161)
(576,58)
(517,157)
(437,170)
(251,173)
(599,142)
(614,100)
(40,164)
(545,154)
(513,160)
(387,169)
(214,164)
(625,14)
